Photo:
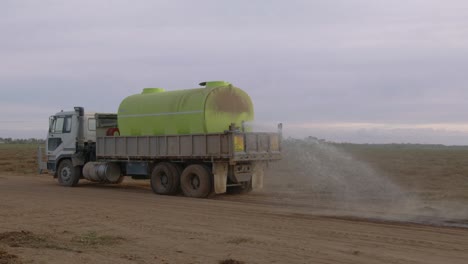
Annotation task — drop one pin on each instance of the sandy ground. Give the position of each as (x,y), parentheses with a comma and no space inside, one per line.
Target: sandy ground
(42,222)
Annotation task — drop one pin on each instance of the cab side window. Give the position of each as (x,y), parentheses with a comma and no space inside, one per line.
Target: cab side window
(92,124)
(67,124)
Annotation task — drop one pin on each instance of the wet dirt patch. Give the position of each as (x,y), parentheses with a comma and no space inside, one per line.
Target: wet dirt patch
(6,258)
(231,261)
(132,257)
(240,240)
(23,239)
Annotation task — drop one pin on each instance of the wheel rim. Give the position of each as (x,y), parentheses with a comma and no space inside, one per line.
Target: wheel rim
(194,182)
(164,179)
(66,174)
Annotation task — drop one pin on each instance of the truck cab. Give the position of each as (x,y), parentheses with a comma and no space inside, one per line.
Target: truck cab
(71,139)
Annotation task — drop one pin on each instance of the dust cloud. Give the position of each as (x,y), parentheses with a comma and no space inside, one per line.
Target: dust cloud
(327,180)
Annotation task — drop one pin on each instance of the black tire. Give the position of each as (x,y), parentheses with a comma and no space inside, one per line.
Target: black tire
(67,174)
(196,181)
(246,187)
(165,178)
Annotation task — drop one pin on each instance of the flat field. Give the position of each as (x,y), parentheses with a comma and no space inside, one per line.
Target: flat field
(323,203)
(18,158)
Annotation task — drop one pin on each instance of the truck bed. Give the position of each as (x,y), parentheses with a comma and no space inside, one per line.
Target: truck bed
(230,146)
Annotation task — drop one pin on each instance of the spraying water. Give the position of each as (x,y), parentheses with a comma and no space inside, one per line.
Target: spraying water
(330,181)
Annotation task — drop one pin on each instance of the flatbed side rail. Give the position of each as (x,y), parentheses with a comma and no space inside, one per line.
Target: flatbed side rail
(213,146)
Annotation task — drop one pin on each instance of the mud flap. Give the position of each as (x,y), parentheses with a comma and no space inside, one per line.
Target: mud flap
(257,176)
(220,172)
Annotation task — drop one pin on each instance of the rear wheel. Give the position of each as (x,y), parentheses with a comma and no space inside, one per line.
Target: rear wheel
(165,178)
(196,181)
(67,174)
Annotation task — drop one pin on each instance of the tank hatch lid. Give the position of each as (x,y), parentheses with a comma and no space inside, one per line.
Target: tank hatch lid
(152,90)
(212,84)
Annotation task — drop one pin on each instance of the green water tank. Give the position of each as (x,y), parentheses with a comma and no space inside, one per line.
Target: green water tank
(194,111)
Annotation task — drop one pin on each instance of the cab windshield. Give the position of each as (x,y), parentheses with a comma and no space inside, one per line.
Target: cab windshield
(60,124)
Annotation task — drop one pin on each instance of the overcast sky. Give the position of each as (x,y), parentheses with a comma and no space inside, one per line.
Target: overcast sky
(344,70)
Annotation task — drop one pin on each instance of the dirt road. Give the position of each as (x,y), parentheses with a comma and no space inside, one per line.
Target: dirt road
(41,222)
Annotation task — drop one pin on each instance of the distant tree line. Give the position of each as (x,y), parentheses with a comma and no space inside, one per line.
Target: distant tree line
(21,141)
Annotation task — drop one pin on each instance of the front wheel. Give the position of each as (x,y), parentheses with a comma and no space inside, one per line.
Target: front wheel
(67,174)
(196,181)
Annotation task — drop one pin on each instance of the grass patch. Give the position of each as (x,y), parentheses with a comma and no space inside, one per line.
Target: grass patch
(30,240)
(19,158)
(27,239)
(94,239)
(22,239)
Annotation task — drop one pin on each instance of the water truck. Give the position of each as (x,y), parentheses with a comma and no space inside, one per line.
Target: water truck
(194,141)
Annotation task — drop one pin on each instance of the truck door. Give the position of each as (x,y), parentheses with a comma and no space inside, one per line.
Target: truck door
(61,137)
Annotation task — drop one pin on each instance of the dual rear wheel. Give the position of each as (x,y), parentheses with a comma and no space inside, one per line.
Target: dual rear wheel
(165,178)
(194,181)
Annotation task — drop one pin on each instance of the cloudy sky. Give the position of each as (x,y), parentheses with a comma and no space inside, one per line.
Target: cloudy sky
(344,70)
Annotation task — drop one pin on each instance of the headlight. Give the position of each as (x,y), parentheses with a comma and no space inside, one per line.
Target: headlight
(239,143)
